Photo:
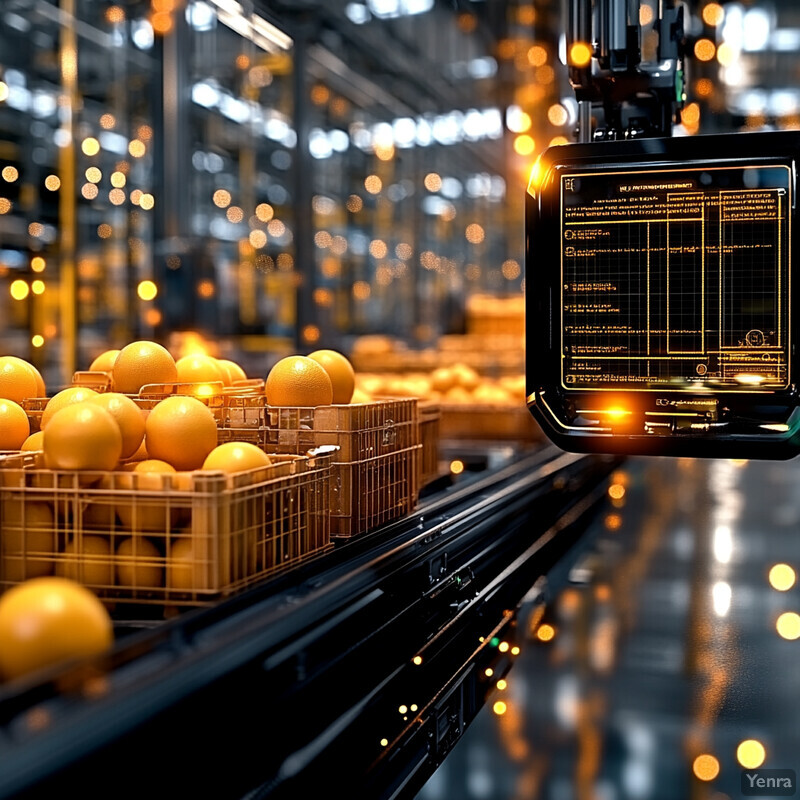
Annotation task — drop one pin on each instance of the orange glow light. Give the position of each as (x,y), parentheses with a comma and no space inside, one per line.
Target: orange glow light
(704,50)
(545,633)
(537,56)
(713,14)
(524,145)
(580,54)
(705,767)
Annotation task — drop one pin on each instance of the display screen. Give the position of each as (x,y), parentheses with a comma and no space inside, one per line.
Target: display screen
(676,278)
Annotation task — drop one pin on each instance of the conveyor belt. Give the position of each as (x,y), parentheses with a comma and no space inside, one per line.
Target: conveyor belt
(303,676)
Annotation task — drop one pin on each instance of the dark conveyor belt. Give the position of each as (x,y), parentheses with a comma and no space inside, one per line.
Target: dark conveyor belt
(360,670)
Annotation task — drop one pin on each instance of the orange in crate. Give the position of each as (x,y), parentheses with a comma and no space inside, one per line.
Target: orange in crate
(375,473)
(220,531)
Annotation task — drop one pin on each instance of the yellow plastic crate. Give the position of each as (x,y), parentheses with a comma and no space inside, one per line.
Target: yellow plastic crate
(180,539)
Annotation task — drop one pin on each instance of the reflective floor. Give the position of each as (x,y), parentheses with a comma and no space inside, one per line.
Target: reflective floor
(671,659)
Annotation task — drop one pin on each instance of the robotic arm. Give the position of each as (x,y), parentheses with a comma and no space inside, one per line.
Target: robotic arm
(626,67)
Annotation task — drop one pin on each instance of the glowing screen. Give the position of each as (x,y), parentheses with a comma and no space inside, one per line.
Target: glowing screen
(676,278)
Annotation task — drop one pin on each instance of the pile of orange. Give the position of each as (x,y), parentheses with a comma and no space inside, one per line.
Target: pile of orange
(19,381)
(458,384)
(144,363)
(319,379)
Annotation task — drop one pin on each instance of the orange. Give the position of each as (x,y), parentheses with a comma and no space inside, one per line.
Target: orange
(443,379)
(236,457)
(127,415)
(185,570)
(29,538)
(140,363)
(234,370)
(139,564)
(48,620)
(140,454)
(66,397)
(340,371)
(40,389)
(181,431)
(298,381)
(14,425)
(82,436)
(91,563)
(33,442)
(17,381)
(146,512)
(104,362)
(466,376)
(199,369)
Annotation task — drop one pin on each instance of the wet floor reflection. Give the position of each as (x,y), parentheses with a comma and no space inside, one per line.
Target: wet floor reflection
(670,661)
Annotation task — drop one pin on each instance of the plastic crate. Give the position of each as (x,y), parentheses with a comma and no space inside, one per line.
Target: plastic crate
(372,479)
(192,536)
(489,422)
(429,420)
(369,493)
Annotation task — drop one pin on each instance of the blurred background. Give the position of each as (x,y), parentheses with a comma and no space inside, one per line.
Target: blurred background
(288,175)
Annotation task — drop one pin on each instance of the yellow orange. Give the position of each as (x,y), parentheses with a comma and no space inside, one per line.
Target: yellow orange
(186,570)
(236,457)
(466,377)
(28,540)
(48,620)
(143,512)
(141,452)
(14,425)
(139,564)
(66,397)
(298,381)
(234,370)
(340,371)
(33,442)
(443,379)
(127,415)
(199,369)
(89,563)
(104,362)
(82,436)
(17,381)
(181,431)
(40,388)
(141,363)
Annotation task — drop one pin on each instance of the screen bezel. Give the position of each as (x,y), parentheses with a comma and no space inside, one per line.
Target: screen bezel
(550,399)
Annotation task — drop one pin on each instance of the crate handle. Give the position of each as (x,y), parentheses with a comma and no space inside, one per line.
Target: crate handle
(321,451)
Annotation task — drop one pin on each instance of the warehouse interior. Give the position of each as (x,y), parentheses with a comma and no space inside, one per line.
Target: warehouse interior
(465,610)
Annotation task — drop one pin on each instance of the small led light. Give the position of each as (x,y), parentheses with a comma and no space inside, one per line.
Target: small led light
(403,709)
(504,646)
(417,660)
(545,633)
(501,684)
(488,672)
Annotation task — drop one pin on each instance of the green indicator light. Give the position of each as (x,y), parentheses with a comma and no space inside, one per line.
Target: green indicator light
(494,641)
